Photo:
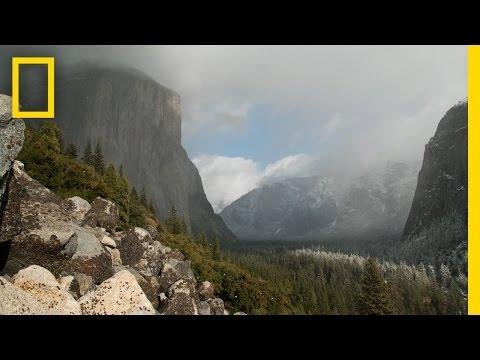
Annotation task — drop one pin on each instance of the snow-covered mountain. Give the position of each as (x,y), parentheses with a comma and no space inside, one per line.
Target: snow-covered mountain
(315,207)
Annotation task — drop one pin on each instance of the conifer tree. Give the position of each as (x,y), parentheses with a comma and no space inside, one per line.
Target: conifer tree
(143,197)
(151,207)
(137,216)
(98,161)
(87,153)
(216,248)
(71,151)
(173,223)
(374,298)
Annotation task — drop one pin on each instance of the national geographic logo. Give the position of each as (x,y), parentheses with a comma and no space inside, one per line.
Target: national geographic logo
(16,112)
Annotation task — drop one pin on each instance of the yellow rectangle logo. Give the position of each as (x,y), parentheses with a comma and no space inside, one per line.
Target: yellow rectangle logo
(16,112)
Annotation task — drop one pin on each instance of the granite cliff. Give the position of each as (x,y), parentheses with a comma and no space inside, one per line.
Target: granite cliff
(138,124)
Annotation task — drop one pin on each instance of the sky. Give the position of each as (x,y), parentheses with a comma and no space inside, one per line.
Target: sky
(253,114)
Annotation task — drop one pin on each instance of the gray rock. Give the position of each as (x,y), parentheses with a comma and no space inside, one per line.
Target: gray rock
(11,142)
(11,135)
(115,255)
(35,224)
(175,254)
(182,299)
(77,207)
(143,235)
(203,308)
(90,257)
(81,285)
(103,213)
(206,290)
(217,306)
(174,270)
(130,247)
(239,313)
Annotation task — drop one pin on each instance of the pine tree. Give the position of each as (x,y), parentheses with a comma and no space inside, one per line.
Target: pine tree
(374,298)
(151,207)
(216,248)
(143,197)
(173,223)
(137,216)
(87,153)
(98,161)
(71,151)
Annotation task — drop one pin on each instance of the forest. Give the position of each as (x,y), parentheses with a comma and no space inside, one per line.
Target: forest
(299,278)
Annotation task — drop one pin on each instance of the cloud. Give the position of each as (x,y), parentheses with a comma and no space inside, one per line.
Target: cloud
(348,107)
(225,179)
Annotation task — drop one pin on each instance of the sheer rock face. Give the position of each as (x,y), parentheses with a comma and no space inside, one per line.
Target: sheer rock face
(138,123)
(442,181)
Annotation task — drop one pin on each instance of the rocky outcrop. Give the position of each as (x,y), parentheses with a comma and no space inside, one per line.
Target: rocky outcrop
(100,270)
(442,181)
(11,142)
(46,241)
(436,229)
(138,123)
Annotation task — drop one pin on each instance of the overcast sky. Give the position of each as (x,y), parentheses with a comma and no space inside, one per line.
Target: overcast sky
(251,113)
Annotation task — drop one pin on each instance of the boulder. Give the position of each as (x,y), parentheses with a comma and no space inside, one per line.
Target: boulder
(203,308)
(108,241)
(11,142)
(130,247)
(206,290)
(42,286)
(161,248)
(119,295)
(175,254)
(152,259)
(217,307)
(81,285)
(174,270)
(143,235)
(65,282)
(35,224)
(149,286)
(115,255)
(77,207)
(152,231)
(182,299)
(15,301)
(88,257)
(103,213)
(239,313)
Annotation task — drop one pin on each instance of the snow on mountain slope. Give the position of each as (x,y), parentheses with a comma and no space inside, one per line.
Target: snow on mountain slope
(313,207)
